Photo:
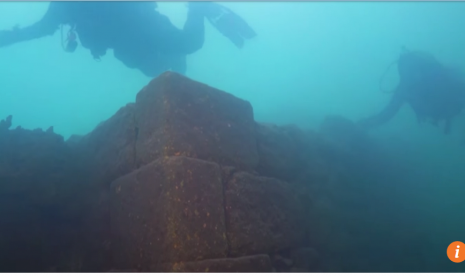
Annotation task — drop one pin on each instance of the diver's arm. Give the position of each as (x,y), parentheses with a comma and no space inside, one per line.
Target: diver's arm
(386,114)
(45,26)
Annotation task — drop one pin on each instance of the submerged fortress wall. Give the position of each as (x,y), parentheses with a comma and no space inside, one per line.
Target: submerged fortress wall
(184,179)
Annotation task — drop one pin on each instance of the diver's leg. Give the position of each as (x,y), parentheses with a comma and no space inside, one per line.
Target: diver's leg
(172,41)
(191,38)
(46,26)
(194,28)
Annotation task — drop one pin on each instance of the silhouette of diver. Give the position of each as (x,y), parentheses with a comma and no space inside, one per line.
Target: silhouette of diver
(434,92)
(139,35)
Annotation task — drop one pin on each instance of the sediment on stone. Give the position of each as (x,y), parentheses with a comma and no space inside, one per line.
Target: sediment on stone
(180,117)
(170,210)
(256,263)
(263,214)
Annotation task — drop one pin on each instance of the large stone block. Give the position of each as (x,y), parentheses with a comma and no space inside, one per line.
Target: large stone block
(178,116)
(262,215)
(170,210)
(256,263)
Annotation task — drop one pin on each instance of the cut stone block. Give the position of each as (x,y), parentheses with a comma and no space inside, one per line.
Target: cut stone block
(262,215)
(170,210)
(178,116)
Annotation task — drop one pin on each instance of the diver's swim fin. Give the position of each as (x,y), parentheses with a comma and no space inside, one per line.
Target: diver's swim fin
(229,24)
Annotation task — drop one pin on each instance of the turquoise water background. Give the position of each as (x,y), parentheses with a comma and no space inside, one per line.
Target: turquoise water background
(309,60)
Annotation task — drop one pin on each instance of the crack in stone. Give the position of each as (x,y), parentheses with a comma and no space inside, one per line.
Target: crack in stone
(225,178)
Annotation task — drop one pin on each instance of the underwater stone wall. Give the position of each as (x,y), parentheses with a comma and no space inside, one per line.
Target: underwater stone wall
(184,179)
(195,195)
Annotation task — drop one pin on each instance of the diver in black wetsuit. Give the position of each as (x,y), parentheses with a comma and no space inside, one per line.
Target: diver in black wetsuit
(434,92)
(139,35)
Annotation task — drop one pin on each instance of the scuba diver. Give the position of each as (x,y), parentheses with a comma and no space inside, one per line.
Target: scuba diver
(435,93)
(139,35)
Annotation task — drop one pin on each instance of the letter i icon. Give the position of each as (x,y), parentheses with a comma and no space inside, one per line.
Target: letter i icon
(453,252)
